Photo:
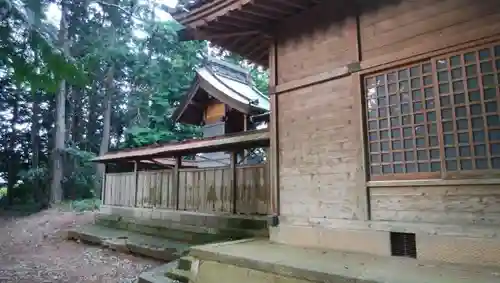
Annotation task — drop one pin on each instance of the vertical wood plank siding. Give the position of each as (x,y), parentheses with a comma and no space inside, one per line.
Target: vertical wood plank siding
(200,190)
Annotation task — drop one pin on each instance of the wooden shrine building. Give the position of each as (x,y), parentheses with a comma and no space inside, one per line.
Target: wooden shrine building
(384,129)
(222,100)
(164,193)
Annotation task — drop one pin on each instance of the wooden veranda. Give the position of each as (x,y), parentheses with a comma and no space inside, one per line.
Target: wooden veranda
(234,189)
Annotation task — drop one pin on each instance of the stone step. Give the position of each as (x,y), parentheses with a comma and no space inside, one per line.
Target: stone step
(189,230)
(182,276)
(129,242)
(158,275)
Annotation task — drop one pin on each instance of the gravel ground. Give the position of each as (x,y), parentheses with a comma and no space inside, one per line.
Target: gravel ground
(33,250)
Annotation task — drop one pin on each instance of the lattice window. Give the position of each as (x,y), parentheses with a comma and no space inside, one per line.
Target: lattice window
(469,96)
(438,116)
(402,122)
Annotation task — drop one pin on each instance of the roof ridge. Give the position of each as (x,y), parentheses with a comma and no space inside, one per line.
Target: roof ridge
(234,67)
(229,87)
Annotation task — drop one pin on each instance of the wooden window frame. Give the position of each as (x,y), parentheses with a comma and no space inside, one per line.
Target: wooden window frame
(443,172)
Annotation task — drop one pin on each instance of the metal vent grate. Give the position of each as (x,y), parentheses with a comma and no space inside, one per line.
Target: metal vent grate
(403,244)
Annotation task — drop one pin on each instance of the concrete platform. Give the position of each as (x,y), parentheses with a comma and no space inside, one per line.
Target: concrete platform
(199,228)
(261,261)
(129,242)
(158,275)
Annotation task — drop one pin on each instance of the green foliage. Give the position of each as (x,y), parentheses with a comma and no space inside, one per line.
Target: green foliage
(167,70)
(79,184)
(119,52)
(27,49)
(3,192)
(85,205)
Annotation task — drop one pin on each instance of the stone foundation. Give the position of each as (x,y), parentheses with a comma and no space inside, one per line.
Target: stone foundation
(460,249)
(194,228)
(373,242)
(262,261)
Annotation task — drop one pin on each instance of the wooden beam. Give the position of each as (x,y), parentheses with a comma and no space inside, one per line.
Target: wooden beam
(250,45)
(256,50)
(333,73)
(259,14)
(226,21)
(158,163)
(244,18)
(271,9)
(273,125)
(175,180)
(103,189)
(209,14)
(232,45)
(136,176)
(361,194)
(290,3)
(232,34)
(234,182)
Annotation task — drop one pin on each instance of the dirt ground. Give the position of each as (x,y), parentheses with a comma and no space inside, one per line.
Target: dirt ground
(33,250)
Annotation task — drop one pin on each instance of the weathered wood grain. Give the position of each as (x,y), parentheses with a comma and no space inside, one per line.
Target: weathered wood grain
(200,190)
(465,204)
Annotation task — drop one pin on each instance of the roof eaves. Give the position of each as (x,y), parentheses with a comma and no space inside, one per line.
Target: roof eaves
(195,85)
(192,13)
(187,147)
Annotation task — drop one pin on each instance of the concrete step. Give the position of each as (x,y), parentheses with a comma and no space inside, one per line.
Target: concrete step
(158,275)
(181,276)
(129,242)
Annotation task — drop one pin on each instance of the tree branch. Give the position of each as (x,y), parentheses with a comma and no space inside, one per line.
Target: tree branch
(117,7)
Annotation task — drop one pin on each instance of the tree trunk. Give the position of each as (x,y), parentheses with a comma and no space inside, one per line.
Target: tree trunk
(106,130)
(13,163)
(91,141)
(77,134)
(35,149)
(57,154)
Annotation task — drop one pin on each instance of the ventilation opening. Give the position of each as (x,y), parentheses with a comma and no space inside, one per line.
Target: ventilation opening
(403,244)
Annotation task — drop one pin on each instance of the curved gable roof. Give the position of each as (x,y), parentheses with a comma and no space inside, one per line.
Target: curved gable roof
(229,84)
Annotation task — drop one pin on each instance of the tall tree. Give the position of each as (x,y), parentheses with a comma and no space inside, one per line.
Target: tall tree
(59,144)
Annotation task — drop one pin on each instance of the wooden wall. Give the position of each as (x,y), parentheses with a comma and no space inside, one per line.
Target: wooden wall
(200,190)
(119,197)
(154,189)
(304,50)
(471,204)
(320,140)
(210,190)
(417,26)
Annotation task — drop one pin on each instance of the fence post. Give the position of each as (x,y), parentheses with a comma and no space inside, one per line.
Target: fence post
(234,183)
(175,179)
(103,188)
(136,172)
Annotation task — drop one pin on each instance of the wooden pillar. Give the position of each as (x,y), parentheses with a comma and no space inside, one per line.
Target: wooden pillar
(136,177)
(103,188)
(245,122)
(245,128)
(234,181)
(273,129)
(175,180)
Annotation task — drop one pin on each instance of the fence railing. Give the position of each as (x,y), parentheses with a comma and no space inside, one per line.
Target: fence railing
(208,190)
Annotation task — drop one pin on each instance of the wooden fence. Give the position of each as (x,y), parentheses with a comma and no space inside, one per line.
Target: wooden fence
(208,190)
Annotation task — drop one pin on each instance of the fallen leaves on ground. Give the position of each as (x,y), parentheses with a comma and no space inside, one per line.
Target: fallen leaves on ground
(33,250)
